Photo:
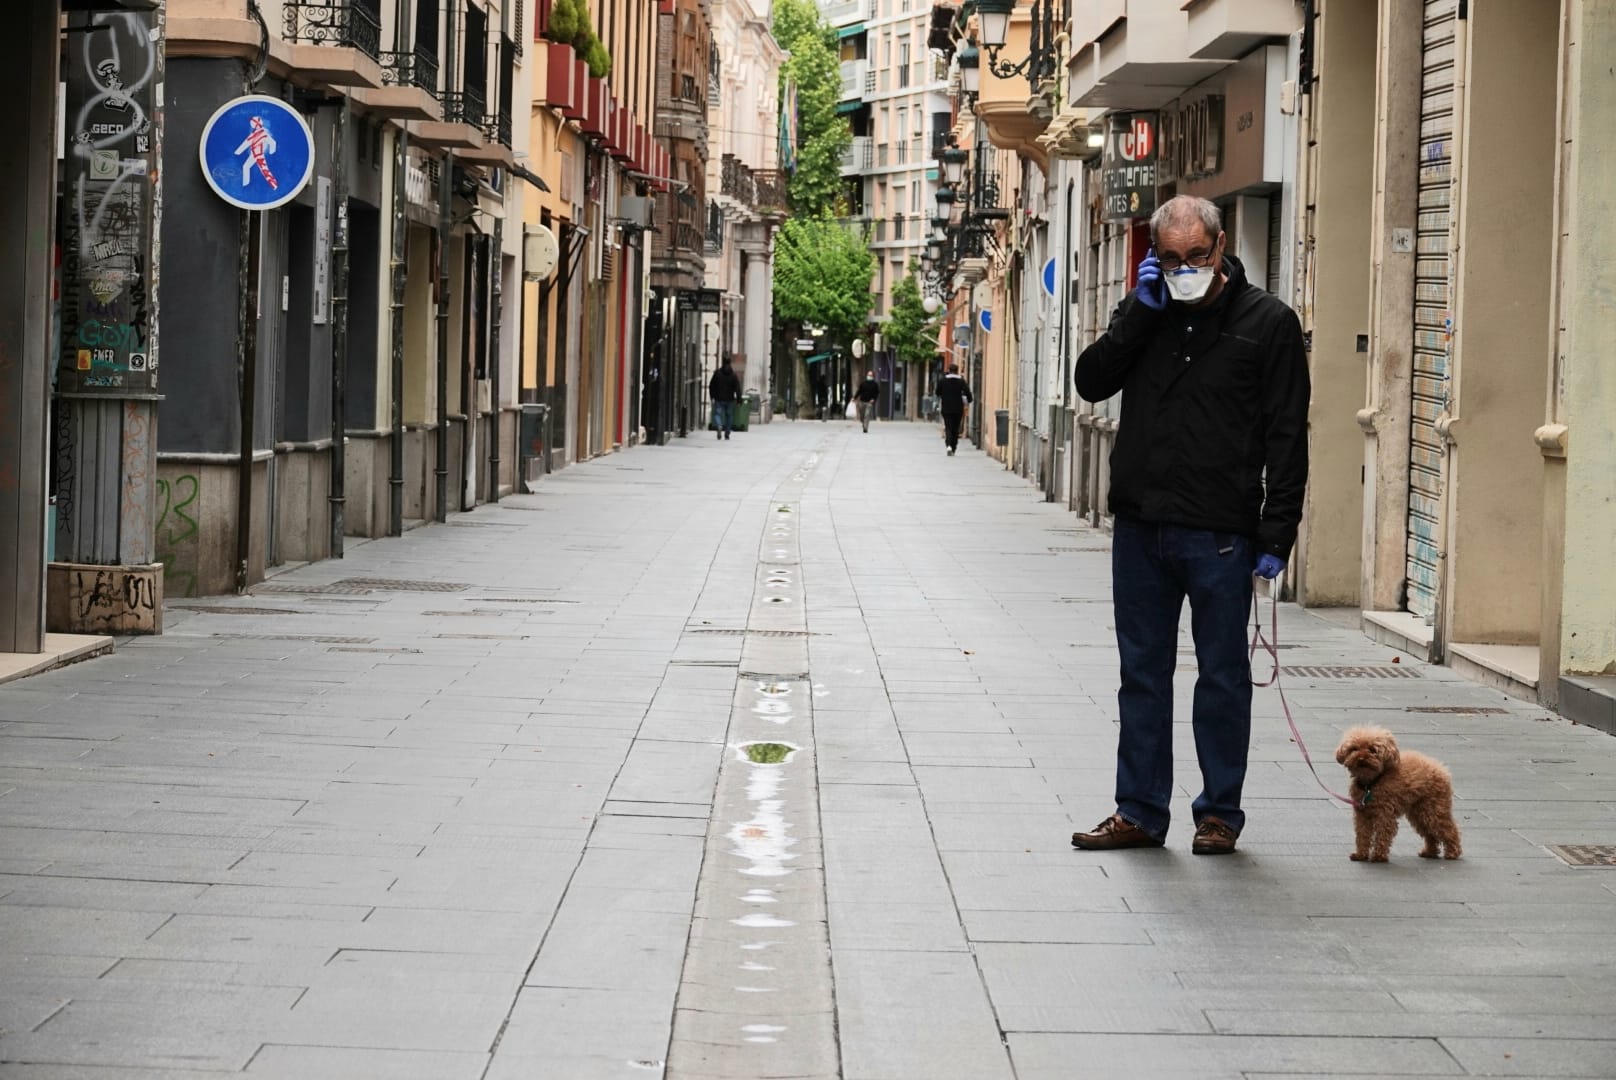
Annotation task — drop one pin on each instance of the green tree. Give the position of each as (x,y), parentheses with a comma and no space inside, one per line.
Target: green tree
(910,331)
(794,18)
(822,275)
(823,135)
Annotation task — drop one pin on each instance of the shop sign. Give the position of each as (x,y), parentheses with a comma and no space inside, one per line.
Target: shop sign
(1192,138)
(1128,169)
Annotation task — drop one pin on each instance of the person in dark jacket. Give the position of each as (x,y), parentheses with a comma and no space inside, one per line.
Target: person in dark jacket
(953,394)
(869,392)
(725,390)
(1207,477)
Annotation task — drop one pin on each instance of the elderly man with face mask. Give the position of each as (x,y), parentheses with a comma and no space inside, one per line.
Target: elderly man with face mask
(1207,476)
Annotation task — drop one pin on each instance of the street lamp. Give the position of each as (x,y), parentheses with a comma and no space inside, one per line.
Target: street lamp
(939,227)
(970,68)
(993,20)
(953,160)
(993,24)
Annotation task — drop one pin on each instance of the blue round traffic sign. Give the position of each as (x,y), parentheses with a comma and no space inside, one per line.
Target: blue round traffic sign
(1049,276)
(257,152)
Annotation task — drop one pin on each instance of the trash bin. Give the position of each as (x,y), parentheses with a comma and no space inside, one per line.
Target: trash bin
(1001,427)
(535,435)
(742,417)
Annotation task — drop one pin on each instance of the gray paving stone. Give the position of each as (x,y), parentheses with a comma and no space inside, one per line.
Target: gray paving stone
(279,1061)
(913,1014)
(1053,1055)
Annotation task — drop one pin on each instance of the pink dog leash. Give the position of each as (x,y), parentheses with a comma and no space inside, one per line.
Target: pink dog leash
(1258,641)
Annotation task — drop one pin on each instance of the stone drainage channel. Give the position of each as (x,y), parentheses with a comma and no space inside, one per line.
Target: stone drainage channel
(756,995)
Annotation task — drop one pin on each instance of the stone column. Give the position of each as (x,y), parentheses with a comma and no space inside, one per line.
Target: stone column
(757,329)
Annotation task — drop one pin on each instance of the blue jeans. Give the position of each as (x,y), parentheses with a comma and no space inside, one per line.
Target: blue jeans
(723,416)
(1153,569)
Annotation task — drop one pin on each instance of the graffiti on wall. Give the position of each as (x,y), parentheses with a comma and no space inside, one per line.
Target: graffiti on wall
(177,532)
(108,340)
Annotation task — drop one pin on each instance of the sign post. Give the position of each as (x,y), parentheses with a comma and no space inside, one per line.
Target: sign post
(257,153)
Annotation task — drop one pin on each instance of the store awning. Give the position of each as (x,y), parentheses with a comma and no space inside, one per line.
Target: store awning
(850,31)
(849,106)
(817,357)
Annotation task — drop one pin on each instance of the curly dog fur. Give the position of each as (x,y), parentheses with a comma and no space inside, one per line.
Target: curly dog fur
(1388,783)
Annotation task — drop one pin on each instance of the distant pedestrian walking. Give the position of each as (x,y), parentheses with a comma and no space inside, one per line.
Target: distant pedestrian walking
(953,394)
(725,390)
(869,392)
(1207,477)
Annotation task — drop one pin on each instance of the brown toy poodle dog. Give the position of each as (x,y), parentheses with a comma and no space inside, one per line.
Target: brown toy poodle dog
(1388,783)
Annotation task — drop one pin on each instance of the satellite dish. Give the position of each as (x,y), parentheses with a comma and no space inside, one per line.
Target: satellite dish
(540,252)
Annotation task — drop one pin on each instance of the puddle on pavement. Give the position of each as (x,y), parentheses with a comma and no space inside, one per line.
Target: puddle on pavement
(760,921)
(767,753)
(774,688)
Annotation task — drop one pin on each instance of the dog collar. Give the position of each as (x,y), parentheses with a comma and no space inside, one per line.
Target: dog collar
(1367,792)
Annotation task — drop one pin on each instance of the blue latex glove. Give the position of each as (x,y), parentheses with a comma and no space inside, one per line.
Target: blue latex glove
(1270,567)
(1151,290)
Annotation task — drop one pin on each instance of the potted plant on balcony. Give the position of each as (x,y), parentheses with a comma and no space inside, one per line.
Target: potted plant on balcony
(570,25)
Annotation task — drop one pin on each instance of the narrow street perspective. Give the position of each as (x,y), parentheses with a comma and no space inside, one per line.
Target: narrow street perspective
(760,758)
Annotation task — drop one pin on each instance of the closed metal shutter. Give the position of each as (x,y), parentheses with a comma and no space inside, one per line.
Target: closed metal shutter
(1432,307)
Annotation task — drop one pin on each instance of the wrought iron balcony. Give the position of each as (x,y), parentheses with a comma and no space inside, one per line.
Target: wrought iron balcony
(773,196)
(352,24)
(497,126)
(418,69)
(715,227)
(465,107)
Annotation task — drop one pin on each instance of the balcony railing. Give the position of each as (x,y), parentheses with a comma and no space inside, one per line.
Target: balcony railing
(762,189)
(715,227)
(497,126)
(466,107)
(418,69)
(352,24)
(773,195)
(859,155)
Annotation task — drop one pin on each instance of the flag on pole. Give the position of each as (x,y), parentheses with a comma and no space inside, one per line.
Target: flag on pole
(788,127)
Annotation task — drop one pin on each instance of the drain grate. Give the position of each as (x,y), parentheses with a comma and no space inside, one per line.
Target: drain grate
(326,639)
(484,525)
(705,663)
(355,648)
(1457,710)
(481,637)
(1362,671)
(240,610)
(1070,550)
(773,677)
(485,612)
(1585,854)
(329,589)
(518,600)
(758,633)
(379,584)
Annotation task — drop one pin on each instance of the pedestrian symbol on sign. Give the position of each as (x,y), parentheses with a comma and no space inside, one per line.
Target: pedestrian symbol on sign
(258,144)
(257,152)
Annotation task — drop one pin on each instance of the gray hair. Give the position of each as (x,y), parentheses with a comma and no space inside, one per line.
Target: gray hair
(1184,210)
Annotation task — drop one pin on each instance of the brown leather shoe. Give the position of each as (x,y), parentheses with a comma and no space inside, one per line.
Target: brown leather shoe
(1115,832)
(1214,836)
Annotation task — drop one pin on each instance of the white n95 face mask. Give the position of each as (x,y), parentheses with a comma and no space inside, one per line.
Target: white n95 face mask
(1188,284)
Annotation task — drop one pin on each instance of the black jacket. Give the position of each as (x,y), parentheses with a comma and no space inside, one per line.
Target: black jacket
(952,393)
(724,385)
(869,390)
(1212,399)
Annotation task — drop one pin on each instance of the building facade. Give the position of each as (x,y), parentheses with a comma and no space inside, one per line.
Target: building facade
(746,199)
